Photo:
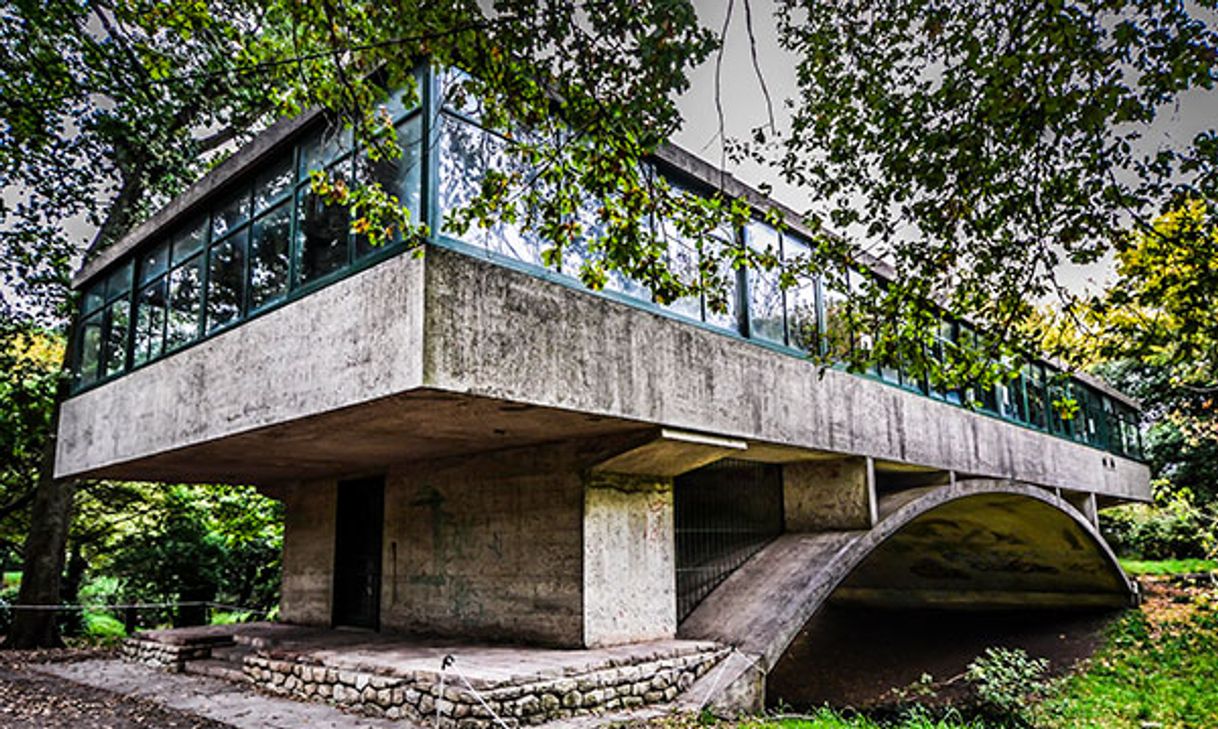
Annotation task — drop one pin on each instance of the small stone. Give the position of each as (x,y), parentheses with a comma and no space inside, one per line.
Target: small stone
(361,681)
(632,701)
(572,699)
(550,702)
(653,697)
(685,680)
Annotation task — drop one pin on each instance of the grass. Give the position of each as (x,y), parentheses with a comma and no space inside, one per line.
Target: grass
(1169,566)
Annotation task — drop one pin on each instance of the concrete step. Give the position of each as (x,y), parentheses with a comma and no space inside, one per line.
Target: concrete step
(216,668)
(234,654)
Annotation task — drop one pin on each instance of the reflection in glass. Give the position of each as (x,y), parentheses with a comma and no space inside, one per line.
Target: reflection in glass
(119,318)
(90,348)
(1037,406)
(230,215)
(95,296)
(150,322)
(154,263)
(185,303)
(188,242)
(119,282)
(322,148)
(225,282)
(321,237)
(269,256)
(274,184)
(466,153)
(765,293)
(400,177)
(837,339)
(802,324)
(726,319)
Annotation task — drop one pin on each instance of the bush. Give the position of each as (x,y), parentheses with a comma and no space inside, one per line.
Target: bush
(1173,528)
(103,626)
(1004,679)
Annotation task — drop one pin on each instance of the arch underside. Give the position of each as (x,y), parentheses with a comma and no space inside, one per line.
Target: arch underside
(974,544)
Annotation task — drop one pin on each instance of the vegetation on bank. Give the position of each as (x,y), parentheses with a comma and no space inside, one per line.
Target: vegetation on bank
(1158,668)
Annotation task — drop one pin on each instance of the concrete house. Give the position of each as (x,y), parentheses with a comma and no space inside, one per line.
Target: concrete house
(474,447)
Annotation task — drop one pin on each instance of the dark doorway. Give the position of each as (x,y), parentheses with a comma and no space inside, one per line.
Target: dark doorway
(723,514)
(357,552)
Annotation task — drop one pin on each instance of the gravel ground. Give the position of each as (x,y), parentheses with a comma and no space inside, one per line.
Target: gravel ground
(30,699)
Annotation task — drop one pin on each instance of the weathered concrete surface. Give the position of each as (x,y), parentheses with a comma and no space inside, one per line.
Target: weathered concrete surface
(629,559)
(574,350)
(829,495)
(673,453)
(355,341)
(988,536)
(417,359)
(307,588)
(488,546)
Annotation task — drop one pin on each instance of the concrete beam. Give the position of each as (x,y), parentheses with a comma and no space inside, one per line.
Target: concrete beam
(829,495)
(672,453)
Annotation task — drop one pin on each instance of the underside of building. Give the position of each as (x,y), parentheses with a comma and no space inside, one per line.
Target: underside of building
(470,445)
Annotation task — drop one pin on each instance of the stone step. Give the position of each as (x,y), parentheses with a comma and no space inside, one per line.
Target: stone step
(216,668)
(234,654)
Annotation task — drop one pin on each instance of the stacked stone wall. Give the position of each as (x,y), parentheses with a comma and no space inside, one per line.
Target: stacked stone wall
(419,696)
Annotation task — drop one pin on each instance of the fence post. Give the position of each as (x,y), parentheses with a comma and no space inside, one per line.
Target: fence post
(130,619)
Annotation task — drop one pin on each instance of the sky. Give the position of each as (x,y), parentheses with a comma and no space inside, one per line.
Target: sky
(745,109)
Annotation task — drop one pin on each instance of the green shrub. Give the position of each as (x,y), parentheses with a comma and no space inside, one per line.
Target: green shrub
(1175,527)
(103,626)
(1004,679)
(229,618)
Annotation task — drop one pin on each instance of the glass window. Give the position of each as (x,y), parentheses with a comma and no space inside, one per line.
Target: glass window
(321,149)
(118,317)
(154,262)
(94,297)
(119,282)
(1010,399)
(727,274)
(321,237)
(231,214)
(225,282)
(802,322)
(185,303)
(400,177)
(188,242)
(1037,395)
(837,326)
(90,348)
(466,153)
(150,322)
(273,185)
(269,250)
(766,317)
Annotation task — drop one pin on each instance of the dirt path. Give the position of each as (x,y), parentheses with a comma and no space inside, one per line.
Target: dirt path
(30,699)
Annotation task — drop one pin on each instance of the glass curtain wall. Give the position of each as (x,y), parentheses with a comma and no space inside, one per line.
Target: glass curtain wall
(264,239)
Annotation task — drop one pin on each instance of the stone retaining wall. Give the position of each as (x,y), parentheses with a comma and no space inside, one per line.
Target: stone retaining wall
(533,702)
(166,656)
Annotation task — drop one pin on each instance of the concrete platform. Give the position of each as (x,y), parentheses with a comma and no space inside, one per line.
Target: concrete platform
(411,678)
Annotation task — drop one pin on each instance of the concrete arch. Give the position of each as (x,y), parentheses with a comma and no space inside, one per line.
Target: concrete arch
(974,543)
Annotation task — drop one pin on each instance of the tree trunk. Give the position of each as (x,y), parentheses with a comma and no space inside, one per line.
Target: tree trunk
(42,569)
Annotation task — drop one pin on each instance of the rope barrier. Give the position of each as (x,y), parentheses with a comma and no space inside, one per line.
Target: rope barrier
(450,662)
(129,606)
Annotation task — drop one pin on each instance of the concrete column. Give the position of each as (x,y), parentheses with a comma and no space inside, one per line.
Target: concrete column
(1085,502)
(829,495)
(629,559)
(308,552)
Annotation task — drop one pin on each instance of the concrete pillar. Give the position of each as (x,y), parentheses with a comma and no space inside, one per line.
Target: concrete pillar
(829,495)
(1085,502)
(629,559)
(308,552)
